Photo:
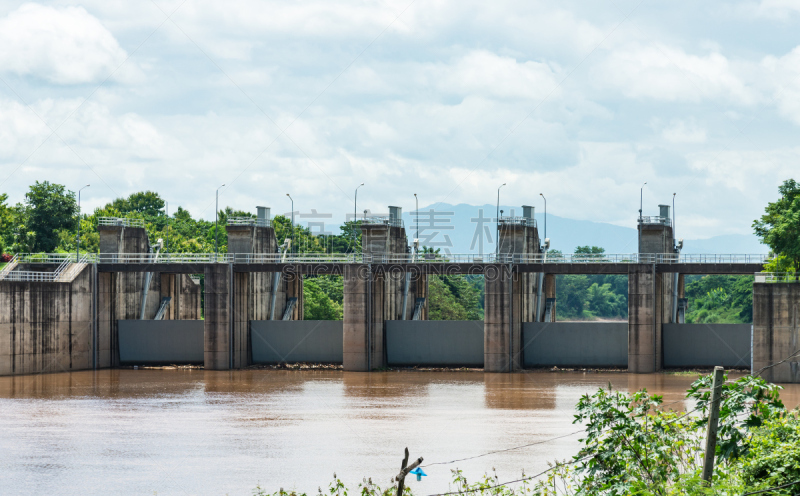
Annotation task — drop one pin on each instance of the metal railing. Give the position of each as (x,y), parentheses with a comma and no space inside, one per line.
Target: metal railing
(772,277)
(471,258)
(654,219)
(120,221)
(382,219)
(249,221)
(67,269)
(517,221)
(8,267)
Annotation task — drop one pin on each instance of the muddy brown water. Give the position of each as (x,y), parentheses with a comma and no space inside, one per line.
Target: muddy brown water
(192,432)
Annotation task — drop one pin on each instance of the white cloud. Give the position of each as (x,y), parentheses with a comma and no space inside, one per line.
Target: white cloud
(669,74)
(485,73)
(680,131)
(784,80)
(61,45)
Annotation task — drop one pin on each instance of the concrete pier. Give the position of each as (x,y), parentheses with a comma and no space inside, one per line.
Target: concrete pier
(642,336)
(358,337)
(218,316)
(502,325)
(776,331)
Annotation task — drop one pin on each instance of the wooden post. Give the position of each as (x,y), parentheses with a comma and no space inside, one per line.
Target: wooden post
(402,481)
(713,423)
(404,470)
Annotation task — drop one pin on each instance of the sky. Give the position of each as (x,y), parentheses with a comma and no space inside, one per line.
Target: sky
(581,101)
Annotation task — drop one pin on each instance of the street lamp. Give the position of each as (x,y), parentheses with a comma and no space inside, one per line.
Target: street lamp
(673,215)
(355,215)
(641,195)
(78,248)
(291,248)
(497,246)
(545,215)
(216,226)
(416,219)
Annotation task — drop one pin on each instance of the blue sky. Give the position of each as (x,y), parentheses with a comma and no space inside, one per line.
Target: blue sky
(583,101)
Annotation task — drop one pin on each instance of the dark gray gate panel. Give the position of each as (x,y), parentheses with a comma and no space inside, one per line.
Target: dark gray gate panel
(153,342)
(435,342)
(706,345)
(293,341)
(575,344)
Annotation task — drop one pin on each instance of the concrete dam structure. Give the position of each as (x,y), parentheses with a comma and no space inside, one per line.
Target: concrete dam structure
(132,304)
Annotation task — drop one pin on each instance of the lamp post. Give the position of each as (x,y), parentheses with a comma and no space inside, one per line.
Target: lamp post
(216,226)
(355,215)
(416,216)
(78,244)
(673,215)
(291,248)
(545,215)
(641,195)
(497,245)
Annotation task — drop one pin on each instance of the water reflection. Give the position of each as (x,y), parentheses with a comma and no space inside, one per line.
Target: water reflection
(207,432)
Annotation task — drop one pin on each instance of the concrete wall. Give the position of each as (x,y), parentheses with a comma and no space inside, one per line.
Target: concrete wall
(435,343)
(582,344)
(706,345)
(643,341)
(776,330)
(278,341)
(143,342)
(45,326)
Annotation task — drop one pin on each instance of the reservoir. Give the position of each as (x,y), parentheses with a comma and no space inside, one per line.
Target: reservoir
(193,432)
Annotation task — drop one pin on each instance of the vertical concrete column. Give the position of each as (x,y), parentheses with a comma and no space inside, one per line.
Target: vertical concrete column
(665,286)
(379,301)
(418,289)
(218,314)
(294,289)
(641,318)
(106,339)
(550,293)
(241,322)
(502,326)
(776,331)
(356,324)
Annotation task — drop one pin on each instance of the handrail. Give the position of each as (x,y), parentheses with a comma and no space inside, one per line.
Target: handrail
(120,221)
(405,258)
(774,277)
(249,221)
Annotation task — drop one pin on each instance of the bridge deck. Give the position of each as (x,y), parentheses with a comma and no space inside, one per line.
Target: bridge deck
(337,268)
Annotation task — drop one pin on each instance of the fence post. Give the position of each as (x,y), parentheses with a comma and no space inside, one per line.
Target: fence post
(402,482)
(713,421)
(404,470)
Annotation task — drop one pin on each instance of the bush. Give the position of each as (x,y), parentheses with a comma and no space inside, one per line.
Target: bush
(5,258)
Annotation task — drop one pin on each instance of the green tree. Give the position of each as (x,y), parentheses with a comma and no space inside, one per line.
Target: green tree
(589,250)
(442,303)
(779,227)
(49,209)
(317,305)
(6,224)
(719,299)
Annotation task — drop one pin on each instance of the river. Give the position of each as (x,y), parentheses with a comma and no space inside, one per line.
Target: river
(187,432)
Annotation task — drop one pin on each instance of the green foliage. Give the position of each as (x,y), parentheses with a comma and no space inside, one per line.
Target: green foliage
(779,227)
(589,250)
(456,297)
(317,305)
(774,458)
(6,224)
(719,299)
(48,215)
(746,403)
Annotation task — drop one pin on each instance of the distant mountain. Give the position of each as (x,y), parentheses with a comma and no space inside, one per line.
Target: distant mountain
(460,229)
